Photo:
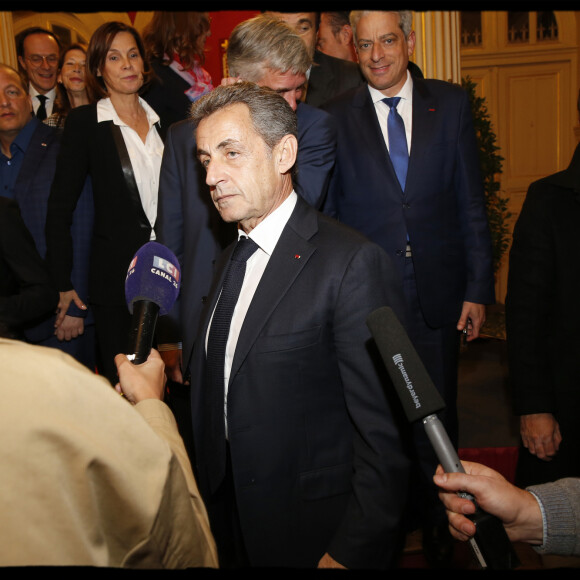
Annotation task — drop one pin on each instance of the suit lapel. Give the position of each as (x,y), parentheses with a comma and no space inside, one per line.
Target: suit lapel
(290,256)
(424,117)
(128,174)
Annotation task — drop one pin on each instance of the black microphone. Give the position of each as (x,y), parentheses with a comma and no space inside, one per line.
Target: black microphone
(421,401)
(151,288)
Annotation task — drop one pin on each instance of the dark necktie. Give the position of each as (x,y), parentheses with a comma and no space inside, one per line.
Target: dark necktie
(41,112)
(216,349)
(397,140)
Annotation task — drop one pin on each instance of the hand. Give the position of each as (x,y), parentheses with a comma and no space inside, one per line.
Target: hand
(540,434)
(140,382)
(64,302)
(472,318)
(71,327)
(516,508)
(173,360)
(327,561)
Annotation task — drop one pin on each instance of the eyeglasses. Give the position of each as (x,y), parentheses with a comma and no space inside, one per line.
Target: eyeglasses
(36,60)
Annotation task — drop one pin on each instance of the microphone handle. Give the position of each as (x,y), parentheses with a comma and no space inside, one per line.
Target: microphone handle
(490,545)
(142,333)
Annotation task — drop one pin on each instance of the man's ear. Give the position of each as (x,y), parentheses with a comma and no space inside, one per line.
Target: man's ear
(346,34)
(411,43)
(286,151)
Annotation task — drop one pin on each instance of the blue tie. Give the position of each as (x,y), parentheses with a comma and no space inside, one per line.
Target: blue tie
(216,348)
(397,140)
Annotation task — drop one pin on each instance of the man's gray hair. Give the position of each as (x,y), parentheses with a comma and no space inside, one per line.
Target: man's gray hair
(265,43)
(405,20)
(272,117)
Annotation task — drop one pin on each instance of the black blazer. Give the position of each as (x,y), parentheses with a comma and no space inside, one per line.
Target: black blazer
(330,77)
(317,460)
(120,227)
(542,313)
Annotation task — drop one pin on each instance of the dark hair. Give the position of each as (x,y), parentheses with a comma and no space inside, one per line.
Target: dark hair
(22,36)
(272,117)
(99,46)
(169,33)
(337,20)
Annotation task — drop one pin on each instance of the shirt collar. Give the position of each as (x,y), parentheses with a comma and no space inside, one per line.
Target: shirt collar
(406,92)
(106,112)
(267,233)
(51,95)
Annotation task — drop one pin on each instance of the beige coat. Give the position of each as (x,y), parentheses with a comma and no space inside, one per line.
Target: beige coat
(86,478)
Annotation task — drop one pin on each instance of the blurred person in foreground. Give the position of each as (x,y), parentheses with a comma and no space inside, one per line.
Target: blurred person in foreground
(90,478)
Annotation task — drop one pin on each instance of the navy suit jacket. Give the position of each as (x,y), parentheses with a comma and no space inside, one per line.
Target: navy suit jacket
(32,189)
(189,224)
(442,209)
(317,461)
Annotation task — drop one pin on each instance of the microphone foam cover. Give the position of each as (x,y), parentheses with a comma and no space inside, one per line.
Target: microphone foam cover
(413,384)
(153,275)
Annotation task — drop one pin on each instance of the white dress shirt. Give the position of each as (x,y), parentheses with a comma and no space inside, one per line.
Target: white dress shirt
(145,157)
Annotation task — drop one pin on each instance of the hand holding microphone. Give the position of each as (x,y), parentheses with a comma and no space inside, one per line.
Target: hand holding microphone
(421,401)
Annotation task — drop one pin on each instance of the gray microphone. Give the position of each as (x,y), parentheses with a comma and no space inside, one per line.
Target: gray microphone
(421,401)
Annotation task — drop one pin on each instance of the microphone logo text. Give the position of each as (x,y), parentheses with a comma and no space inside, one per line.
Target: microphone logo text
(398,360)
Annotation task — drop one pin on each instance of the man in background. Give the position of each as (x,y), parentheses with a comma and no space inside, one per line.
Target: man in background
(38,52)
(328,76)
(28,154)
(407,176)
(541,327)
(335,35)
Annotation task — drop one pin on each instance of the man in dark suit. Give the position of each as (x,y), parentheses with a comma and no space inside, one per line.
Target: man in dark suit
(542,327)
(328,76)
(38,52)
(432,224)
(266,51)
(303,466)
(29,152)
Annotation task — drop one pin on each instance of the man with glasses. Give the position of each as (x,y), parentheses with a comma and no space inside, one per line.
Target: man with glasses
(38,52)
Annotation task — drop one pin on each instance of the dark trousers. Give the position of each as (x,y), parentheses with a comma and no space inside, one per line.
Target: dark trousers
(438,349)
(225,523)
